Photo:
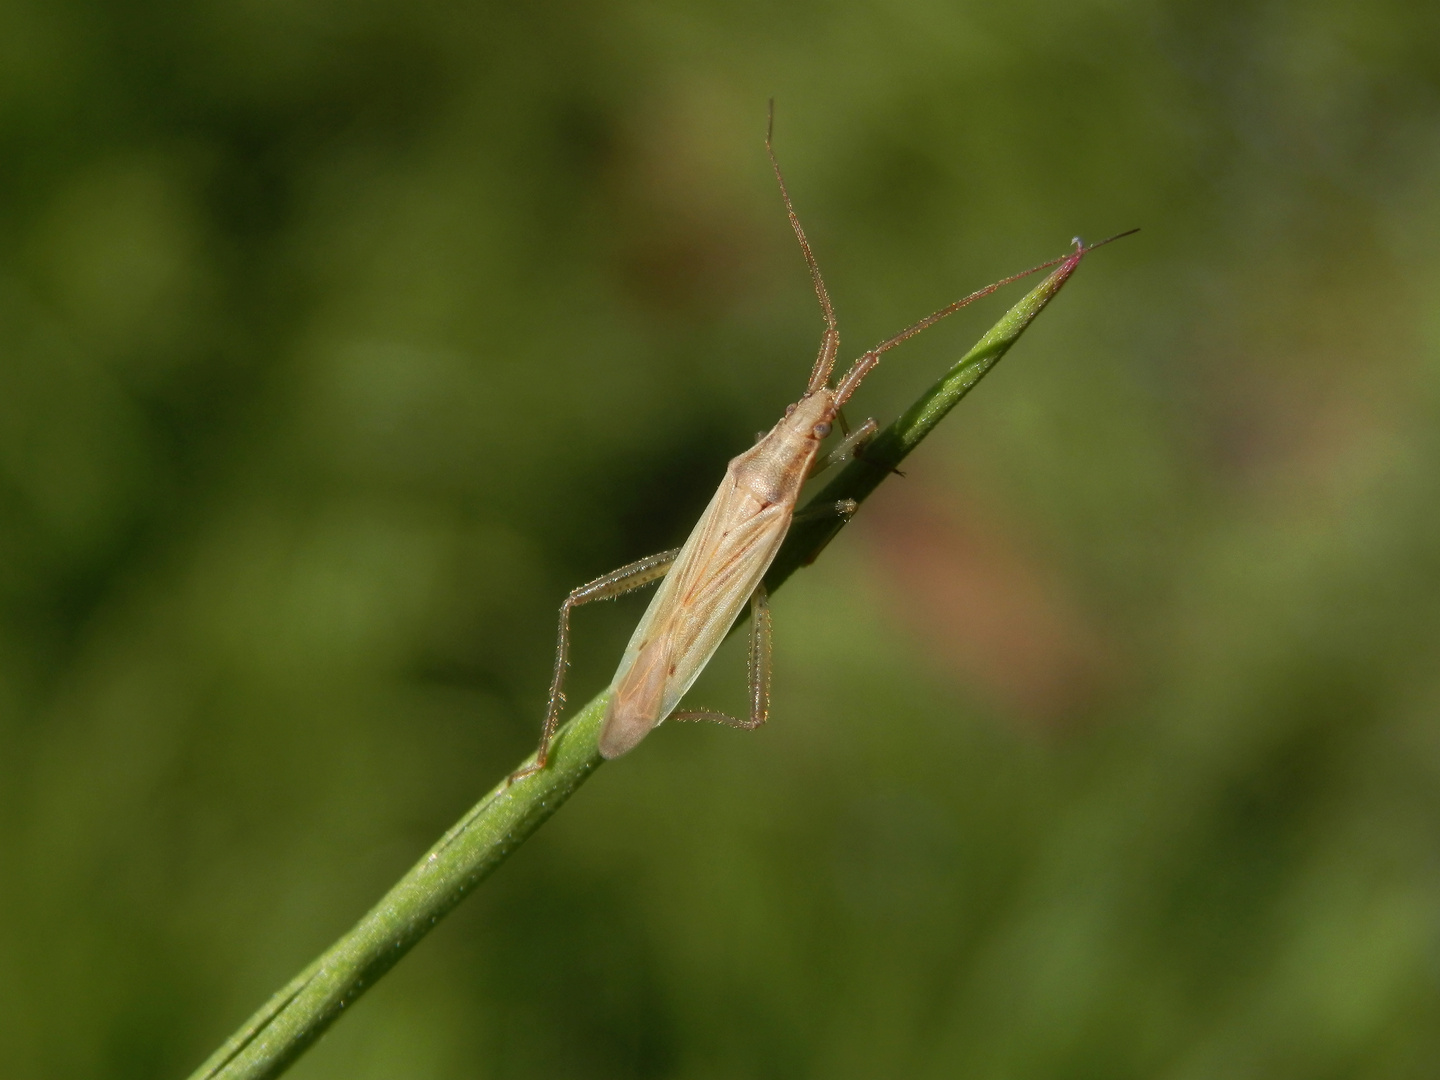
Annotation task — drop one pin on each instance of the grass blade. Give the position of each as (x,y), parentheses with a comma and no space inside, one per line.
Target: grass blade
(271,1040)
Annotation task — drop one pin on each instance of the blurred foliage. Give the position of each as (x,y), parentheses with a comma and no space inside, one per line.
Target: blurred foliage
(338,341)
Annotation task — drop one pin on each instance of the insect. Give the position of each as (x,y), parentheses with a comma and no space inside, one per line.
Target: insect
(708,581)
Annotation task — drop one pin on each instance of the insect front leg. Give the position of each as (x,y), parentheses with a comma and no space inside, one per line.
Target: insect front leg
(759,669)
(616,583)
(852,445)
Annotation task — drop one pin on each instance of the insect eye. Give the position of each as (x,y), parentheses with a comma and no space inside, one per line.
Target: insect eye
(822,429)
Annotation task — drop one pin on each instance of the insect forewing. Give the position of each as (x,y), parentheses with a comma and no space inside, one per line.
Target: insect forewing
(719,567)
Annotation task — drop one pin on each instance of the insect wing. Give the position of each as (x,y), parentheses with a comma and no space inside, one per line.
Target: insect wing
(734,568)
(725,557)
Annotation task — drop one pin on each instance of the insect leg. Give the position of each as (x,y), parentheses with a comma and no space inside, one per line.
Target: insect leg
(616,583)
(843,508)
(852,445)
(759,666)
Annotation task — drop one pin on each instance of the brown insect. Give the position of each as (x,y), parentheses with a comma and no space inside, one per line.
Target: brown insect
(709,580)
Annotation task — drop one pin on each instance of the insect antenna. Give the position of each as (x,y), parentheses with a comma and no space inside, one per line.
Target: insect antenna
(1085,248)
(830,343)
(866,363)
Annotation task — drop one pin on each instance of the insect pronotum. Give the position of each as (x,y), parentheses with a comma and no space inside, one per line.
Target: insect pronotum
(708,581)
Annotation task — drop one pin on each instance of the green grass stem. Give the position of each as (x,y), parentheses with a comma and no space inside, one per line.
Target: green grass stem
(286,1025)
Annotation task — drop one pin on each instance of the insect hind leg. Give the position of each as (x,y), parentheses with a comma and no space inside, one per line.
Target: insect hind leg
(759,668)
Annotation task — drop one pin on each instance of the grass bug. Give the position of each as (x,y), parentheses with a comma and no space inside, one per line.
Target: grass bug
(708,581)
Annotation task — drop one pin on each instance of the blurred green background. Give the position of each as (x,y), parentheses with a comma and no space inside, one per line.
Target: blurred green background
(338,341)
